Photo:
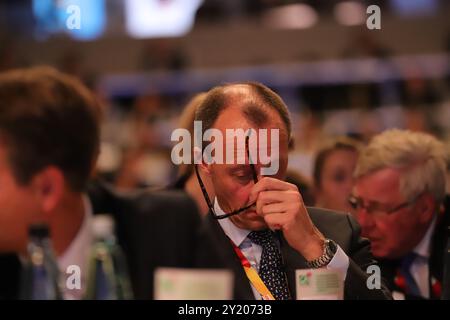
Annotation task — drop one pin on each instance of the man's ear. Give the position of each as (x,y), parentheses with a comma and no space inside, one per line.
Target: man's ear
(198,159)
(48,186)
(427,207)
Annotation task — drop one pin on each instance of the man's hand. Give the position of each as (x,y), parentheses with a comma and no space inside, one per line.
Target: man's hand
(282,207)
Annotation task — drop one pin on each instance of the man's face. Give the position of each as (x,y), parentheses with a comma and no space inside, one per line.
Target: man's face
(18,208)
(233,182)
(392,234)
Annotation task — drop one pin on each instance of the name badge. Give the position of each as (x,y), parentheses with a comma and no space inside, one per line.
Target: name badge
(193,284)
(319,284)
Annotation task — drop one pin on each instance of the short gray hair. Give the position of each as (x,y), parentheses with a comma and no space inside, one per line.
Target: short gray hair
(421,157)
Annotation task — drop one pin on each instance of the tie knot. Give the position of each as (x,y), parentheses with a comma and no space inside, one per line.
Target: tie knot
(408,260)
(262,237)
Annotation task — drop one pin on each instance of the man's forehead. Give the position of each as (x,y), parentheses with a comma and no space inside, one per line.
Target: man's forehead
(262,141)
(233,118)
(384,176)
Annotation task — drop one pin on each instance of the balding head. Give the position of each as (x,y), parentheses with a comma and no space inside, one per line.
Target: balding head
(255,100)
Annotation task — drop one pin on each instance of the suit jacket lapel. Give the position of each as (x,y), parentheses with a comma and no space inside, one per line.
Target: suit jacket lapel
(10,269)
(438,249)
(228,258)
(438,246)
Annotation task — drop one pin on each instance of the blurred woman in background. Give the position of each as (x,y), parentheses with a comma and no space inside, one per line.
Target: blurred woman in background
(333,173)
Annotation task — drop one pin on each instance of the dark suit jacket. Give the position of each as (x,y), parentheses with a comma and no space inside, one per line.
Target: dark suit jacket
(153,228)
(217,252)
(436,261)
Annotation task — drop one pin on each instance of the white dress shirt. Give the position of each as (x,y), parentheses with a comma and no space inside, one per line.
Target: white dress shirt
(77,253)
(253,251)
(419,268)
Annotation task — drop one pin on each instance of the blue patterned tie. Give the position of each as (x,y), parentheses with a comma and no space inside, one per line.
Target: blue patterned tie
(271,266)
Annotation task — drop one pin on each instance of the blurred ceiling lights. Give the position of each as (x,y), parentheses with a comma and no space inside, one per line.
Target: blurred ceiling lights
(53,17)
(156,18)
(415,7)
(350,13)
(294,16)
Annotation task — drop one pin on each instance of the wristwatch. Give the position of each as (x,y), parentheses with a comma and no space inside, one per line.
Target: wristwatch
(329,250)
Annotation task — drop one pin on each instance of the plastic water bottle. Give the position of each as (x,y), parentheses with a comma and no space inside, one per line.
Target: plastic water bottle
(40,280)
(108,276)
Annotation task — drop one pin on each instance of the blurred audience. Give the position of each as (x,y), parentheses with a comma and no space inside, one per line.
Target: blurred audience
(162,54)
(333,173)
(303,184)
(306,137)
(399,188)
(186,178)
(146,161)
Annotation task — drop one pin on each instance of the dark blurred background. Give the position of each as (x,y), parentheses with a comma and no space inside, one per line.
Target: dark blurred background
(146,58)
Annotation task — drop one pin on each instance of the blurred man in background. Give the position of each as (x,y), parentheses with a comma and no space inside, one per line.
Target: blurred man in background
(400,186)
(49,138)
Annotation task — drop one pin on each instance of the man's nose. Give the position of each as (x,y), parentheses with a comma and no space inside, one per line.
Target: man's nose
(348,185)
(365,220)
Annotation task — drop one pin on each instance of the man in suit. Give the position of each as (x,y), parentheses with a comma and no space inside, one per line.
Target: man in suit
(49,139)
(399,191)
(259,224)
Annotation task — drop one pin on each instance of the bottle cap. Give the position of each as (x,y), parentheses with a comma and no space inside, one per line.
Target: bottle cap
(103,226)
(39,230)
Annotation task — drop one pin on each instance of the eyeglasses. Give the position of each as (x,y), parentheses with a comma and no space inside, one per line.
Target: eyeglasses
(376,208)
(208,200)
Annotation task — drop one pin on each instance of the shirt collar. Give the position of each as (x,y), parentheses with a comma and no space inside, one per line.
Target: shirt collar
(237,235)
(78,251)
(423,248)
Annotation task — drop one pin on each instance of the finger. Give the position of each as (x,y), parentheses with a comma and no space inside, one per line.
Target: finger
(288,209)
(266,197)
(270,184)
(288,200)
(276,221)
(273,208)
(269,197)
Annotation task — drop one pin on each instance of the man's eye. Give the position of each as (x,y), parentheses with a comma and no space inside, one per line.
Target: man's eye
(242,176)
(339,177)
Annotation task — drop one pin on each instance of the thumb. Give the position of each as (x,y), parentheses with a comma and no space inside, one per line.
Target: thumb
(253,195)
